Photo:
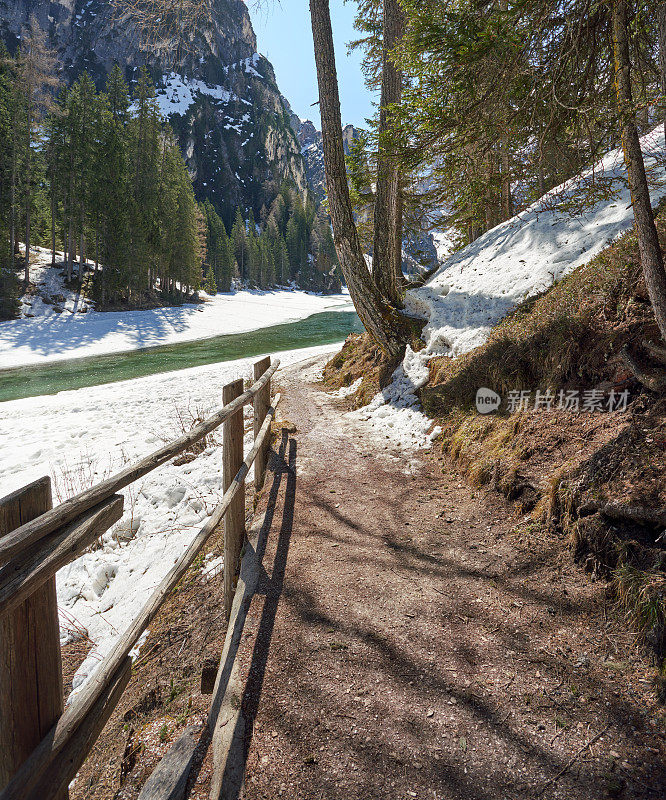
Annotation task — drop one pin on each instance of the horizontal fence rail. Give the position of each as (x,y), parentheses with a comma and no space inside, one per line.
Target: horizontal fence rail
(32,531)
(36,548)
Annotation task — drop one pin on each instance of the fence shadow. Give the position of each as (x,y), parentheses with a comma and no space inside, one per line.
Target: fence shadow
(271,585)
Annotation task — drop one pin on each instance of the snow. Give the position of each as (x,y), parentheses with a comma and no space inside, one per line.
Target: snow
(444,243)
(79,438)
(178,94)
(346,391)
(478,285)
(52,336)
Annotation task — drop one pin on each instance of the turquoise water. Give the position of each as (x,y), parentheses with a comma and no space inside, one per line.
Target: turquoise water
(319,329)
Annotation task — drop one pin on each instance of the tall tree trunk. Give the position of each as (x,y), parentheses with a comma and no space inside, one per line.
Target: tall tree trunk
(28,189)
(652,260)
(82,248)
(507,200)
(379,318)
(12,203)
(398,228)
(71,249)
(53,225)
(387,260)
(65,243)
(661,20)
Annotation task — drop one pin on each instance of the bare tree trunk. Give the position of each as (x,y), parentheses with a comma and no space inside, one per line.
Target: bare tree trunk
(652,260)
(507,200)
(82,245)
(12,203)
(380,320)
(386,268)
(661,20)
(53,225)
(65,243)
(71,250)
(27,184)
(398,229)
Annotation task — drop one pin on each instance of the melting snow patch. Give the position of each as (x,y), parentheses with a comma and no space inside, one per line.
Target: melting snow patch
(394,413)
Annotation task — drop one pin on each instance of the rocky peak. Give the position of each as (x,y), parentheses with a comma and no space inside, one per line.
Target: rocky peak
(220,95)
(310,141)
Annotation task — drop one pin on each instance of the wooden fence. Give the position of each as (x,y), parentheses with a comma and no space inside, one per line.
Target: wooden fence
(42,744)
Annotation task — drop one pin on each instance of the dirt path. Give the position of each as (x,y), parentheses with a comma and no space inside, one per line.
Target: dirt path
(417,639)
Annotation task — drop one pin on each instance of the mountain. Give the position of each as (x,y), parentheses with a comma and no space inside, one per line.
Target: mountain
(312,150)
(220,95)
(419,251)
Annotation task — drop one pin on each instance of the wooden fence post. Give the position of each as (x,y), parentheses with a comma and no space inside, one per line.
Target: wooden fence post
(31,691)
(262,402)
(234,519)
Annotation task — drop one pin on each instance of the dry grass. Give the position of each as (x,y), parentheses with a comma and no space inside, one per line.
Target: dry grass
(359,358)
(555,463)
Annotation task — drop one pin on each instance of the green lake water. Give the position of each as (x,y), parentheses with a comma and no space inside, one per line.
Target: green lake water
(319,329)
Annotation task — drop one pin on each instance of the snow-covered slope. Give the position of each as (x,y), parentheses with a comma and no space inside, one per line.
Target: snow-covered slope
(79,438)
(56,330)
(479,284)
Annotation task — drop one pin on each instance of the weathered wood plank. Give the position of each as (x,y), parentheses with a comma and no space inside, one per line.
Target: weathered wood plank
(50,749)
(234,520)
(55,780)
(261,403)
(31,532)
(31,693)
(169,778)
(24,574)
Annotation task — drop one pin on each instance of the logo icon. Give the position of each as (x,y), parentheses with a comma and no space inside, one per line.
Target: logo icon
(487,401)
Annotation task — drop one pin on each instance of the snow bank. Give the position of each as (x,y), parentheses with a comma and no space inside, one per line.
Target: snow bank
(56,330)
(477,286)
(80,437)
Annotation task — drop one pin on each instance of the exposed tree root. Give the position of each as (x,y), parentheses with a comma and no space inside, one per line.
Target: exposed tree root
(656,351)
(654,382)
(624,512)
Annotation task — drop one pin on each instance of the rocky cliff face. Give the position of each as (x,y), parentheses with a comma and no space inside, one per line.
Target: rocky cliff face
(219,93)
(419,251)
(312,150)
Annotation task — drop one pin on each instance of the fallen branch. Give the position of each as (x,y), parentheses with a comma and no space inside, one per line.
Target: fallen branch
(573,760)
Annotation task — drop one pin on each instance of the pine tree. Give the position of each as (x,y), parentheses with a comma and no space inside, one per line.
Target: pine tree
(210,284)
(84,120)
(111,190)
(147,150)
(7,98)
(36,80)
(8,283)
(240,245)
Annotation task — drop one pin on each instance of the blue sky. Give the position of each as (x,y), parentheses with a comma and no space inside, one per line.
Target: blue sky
(284,36)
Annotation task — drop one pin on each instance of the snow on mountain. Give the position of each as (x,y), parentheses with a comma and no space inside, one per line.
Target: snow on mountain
(205,88)
(179,93)
(478,285)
